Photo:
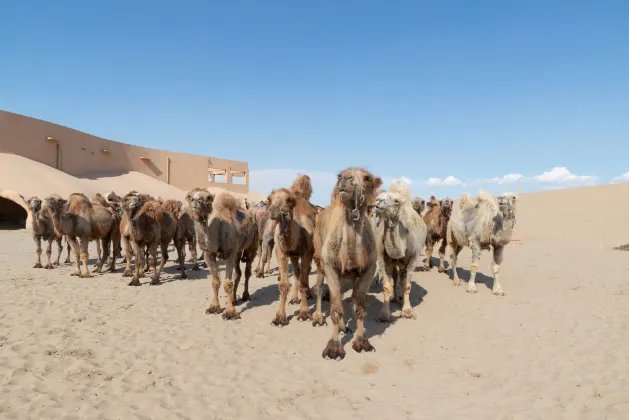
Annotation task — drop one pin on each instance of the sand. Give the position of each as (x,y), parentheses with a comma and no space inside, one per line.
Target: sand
(555,347)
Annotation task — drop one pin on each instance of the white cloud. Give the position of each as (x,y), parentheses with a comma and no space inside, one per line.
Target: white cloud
(446,182)
(621,178)
(561,175)
(508,179)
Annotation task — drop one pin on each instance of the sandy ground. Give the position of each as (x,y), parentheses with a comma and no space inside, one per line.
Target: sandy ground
(555,347)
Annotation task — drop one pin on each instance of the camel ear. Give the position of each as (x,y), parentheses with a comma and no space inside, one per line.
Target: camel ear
(209,199)
(291,201)
(377,183)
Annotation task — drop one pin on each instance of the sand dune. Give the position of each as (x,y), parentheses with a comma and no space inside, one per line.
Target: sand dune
(553,348)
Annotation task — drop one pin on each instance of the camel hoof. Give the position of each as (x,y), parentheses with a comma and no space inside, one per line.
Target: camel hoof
(134,282)
(280,320)
(456,282)
(67,262)
(427,268)
(86,276)
(230,314)
(498,292)
(385,319)
(362,344)
(245,297)
(196,267)
(155,282)
(127,273)
(318,320)
(49,267)
(304,316)
(213,309)
(183,275)
(442,270)
(408,314)
(333,351)
(38,265)
(471,290)
(56,263)
(77,274)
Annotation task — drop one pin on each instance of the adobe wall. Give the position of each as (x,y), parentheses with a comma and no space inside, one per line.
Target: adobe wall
(78,153)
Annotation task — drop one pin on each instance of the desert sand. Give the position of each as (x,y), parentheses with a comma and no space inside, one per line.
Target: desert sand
(555,347)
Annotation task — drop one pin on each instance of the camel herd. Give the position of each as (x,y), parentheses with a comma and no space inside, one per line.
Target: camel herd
(365,233)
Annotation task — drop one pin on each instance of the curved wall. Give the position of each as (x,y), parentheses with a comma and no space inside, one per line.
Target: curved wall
(78,154)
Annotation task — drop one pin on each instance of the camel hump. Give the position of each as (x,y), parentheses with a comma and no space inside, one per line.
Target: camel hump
(172,207)
(302,187)
(226,206)
(400,186)
(483,195)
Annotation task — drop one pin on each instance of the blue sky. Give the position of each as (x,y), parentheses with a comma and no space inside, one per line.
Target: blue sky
(452,95)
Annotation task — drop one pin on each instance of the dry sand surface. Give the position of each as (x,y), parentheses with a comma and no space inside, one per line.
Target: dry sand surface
(555,347)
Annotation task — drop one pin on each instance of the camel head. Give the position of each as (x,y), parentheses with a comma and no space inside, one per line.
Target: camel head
(446,207)
(200,202)
(34,203)
(281,205)
(133,202)
(356,188)
(507,204)
(112,197)
(419,204)
(55,204)
(390,203)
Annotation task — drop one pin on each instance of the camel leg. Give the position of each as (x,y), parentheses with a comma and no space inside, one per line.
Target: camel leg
(442,255)
(454,257)
(68,260)
(294,300)
(334,349)
(361,287)
(127,248)
(269,254)
(318,318)
(138,251)
(157,271)
(210,261)
(98,253)
(260,265)
(495,268)
(59,251)
(405,279)
(77,259)
(49,254)
(181,256)
(193,251)
(304,289)
(245,294)
(105,254)
(395,278)
(147,259)
(471,285)
(230,310)
(238,272)
(85,243)
(387,292)
(429,249)
(284,286)
(38,260)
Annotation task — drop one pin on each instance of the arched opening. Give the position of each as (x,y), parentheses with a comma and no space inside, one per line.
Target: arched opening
(12,215)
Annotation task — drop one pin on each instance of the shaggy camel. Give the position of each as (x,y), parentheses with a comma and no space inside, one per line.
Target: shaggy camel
(419,204)
(141,228)
(437,218)
(224,231)
(99,200)
(401,238)
(483,225)
(173,231)
(345,246)
(77,217)
(186,224)
(266,233)
(295,218)
(44,229)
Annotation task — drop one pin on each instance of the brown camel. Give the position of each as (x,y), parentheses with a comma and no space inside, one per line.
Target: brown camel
(77,217)
(266,233)
(172,210)
(436,219)
(99,200)
(345,245)
(186,224)
(224,231)
(295,218)
(43,228)
(141,228)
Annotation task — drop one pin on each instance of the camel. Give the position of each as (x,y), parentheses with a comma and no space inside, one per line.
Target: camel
(115,202)
(172,231)
(436,219)
(295,221)
(224,231)
(419,204)
(345,246)
(99,200)
(43,229)
(186,224)
(401,238)
(141,228)
(77,217)
(266,233)
(481,225)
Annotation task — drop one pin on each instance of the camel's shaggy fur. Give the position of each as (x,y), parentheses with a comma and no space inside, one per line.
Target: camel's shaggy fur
(295,221)
(345,246)
(224,231)
(481,225)
(436,218)
(77,217)
(43,228)
(401,237)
